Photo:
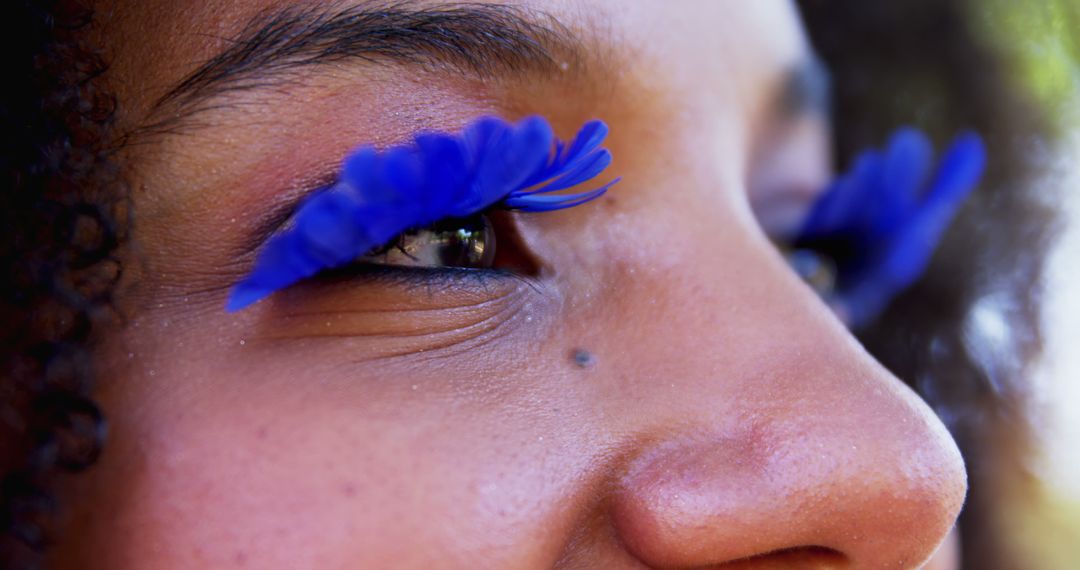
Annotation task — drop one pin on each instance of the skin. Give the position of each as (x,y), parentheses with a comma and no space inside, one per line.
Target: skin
(726,419)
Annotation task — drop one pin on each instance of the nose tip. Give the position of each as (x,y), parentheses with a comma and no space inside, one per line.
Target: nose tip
(767,497)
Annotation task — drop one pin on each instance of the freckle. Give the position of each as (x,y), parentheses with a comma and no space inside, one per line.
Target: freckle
(348,489)
(240,558)
(261,433)
(583,358)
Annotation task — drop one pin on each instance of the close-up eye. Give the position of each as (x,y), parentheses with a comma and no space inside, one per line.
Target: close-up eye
(468,243)
(385,202)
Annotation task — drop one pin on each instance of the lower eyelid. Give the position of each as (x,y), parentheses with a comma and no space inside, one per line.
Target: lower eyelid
(390,289)
(389,321)
(424,280)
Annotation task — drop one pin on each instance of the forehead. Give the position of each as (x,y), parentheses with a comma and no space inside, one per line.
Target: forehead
(720,49)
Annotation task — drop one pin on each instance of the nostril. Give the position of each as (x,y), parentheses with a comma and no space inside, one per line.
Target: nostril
(802,558)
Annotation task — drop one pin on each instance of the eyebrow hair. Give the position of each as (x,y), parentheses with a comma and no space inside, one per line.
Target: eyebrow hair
(481,39)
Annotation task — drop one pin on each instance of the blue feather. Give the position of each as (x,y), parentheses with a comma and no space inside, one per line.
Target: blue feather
(380,194)
(889,213)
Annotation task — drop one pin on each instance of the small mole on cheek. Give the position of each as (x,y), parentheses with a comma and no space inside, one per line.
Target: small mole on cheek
(583,358)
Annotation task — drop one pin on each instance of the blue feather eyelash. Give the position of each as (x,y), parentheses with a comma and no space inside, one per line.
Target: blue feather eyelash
(888,214)
(381,194)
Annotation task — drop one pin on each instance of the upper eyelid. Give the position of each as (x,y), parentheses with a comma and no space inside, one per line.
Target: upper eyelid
(273,221)
(277,217)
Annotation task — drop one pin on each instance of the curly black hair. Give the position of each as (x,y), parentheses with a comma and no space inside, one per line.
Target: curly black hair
(64,209)
(61,217)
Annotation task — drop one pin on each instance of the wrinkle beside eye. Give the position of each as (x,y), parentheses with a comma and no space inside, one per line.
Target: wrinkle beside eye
(385,323)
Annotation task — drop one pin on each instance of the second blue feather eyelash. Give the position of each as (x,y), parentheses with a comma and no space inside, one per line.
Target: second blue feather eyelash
(888,214)
(381,194)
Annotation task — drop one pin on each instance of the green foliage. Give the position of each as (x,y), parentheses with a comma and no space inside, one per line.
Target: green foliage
(1041,39)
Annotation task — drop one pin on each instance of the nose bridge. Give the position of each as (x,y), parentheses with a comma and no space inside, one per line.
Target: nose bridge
(779,432)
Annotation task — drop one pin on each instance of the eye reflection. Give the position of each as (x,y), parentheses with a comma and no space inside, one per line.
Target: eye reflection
(463,242)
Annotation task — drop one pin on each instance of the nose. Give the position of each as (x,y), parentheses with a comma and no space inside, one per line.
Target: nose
(795,449)
(750,496)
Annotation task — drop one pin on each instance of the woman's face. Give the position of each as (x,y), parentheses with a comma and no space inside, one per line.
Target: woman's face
(664,392)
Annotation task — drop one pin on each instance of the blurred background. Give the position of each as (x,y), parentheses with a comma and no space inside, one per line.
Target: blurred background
(1041,39)
(990,336)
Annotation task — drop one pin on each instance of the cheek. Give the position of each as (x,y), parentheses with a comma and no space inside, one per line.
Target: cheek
(211,465)
(205,474)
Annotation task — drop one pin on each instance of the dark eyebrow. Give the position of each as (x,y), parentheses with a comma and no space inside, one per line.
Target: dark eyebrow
(807,89)
(481,39)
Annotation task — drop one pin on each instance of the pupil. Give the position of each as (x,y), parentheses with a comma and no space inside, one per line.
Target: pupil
(466,242)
